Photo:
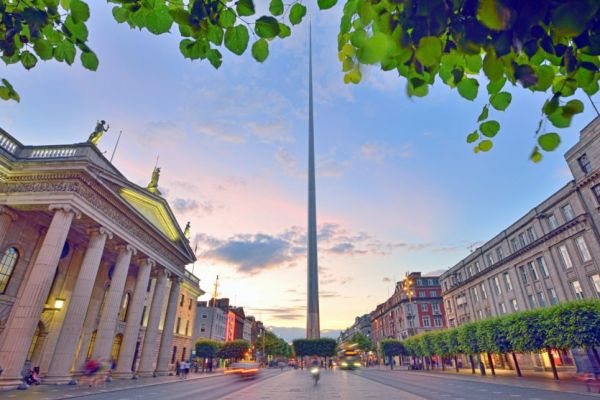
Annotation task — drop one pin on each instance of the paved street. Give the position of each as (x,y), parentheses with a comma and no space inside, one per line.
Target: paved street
(275,385)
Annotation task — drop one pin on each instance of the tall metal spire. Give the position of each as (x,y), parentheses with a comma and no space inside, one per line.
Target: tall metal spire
(313,330)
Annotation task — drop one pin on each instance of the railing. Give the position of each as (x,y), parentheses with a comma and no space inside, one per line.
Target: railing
(53,152)
(192,277)
(7,143)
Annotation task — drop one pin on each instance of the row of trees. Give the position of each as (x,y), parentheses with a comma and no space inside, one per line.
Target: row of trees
(325,347)
(233,350)
(565,326)
(270,344)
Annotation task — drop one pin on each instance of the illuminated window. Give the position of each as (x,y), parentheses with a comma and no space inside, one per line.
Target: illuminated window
(564,255)
(124,307)
(7,266)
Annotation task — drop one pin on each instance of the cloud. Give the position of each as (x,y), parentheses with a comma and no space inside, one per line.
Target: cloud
(271,132)
(221,132)
(377,152)
(281,313)
(158,134)
(387,279)
(185,205)
(288,162)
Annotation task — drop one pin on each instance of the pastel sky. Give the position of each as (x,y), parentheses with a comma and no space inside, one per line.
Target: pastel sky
(398,188)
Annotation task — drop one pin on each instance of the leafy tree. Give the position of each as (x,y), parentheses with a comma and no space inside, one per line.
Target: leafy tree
(234,350)
(273,345)
(207,349)
(440,345)
(427,346)
(363,343)
(491,338)
(324,347)
(453,344)
(391,348)
(467,337)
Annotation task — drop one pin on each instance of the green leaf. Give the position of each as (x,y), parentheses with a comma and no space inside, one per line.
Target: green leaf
(536,156)
(484,114)
(120,14)
(28,59)
(485,145)
(236,39)
(545,74)
(558,119)
(215,34)
(266,27)
(358,38)
(77,30)
(493,14)
(284,30)
(79,11)
(492,67)
(245,8)
(549,141)
(572,107)
(472,137)
(215,57)
(501,100)
(159,21)
(489,128)
(570,18)
(260,50)
(353,76)
(65,51)
(276,7)
(297,12)
(227,18)
(89,60)
(43,49)
(495,86)
(326,4)
(429,51)
(468,88)
(375,48)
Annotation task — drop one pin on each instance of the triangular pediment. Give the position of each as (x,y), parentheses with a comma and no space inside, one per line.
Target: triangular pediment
(153,210)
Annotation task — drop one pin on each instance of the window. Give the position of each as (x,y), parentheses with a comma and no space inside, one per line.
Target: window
(174,354)
(497,288)
(449,305)
(474,295)
(577,291)
(183,351)
(124,307)
(567,212)
(596,191)
(583,250)
(446,286)
(514,305)
(479,314)
(7,265)
(533,271)
(422,293)
(531,234)
(149,285)
(483,292)
(542,265)
(204,316)
(432,293)
(514,245)
(203,329)
(584,164)
(541,299)
(596,284)
(523,275)
(424,307)
(181,301)
(469,271)
(143,316)
(552,296)
(507,283)
(490,259)
(564,255)
(531,301)
(552,222)
(437,322)
(177,325)
(499,254)
(502,308)
(477,268)
(190,305)
(436,307)
(426,322)
(187,327)
(522,241)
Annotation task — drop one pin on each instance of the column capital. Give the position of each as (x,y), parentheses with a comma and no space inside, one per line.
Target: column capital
(126,248)
(101,231)
(6,210)
(148,262)
(176,279)
(68,208)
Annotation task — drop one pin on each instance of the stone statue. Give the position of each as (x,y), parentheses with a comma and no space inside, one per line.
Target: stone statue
(187,232)
(101,127)
(153,185)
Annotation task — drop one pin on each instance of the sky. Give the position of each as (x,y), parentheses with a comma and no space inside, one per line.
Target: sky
(398,187)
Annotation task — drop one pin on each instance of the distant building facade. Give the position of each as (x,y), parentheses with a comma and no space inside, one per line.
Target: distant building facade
(548,256)
(361,325)
(183,331)
(211,321)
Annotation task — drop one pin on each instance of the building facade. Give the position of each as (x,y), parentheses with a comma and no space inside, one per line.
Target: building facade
(211,322)
(91,265)
(183,331)
(361,325)
(550,255)
(415,307)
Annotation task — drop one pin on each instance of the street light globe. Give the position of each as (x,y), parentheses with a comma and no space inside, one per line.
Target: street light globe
(59,303)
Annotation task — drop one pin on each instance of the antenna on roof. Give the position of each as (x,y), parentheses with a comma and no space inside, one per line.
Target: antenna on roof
(116,144)
(156,165)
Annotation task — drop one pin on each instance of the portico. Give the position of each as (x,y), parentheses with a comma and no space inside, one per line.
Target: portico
(88,261)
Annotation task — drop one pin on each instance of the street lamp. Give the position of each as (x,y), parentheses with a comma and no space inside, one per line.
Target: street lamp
(58,305)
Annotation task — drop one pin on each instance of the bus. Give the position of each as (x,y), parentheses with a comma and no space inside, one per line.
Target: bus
(349,359)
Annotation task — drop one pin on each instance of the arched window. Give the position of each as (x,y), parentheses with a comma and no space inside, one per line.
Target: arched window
(7,265)
(91,346)
(124,307)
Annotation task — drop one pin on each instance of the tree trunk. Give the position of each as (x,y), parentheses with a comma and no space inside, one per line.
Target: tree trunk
(516,362)
(443,364)
(456,362)
(472,363)
(552,363)
(391,361)
(481,365)
(489,355)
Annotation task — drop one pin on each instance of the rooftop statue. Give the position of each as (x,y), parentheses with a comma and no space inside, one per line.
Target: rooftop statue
(101,127)
(153,185)
(187,231)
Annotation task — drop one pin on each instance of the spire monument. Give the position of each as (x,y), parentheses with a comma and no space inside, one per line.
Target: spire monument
(312,313)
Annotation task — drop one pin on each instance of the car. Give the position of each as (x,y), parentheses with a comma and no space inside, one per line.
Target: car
(244,369)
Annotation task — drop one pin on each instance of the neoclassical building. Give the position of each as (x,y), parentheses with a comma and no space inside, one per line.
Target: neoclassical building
(91,265)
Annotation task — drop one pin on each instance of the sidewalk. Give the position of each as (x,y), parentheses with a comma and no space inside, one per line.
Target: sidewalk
(55,392)
(530,379)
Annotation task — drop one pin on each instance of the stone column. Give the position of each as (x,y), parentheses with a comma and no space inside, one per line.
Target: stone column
(77,306)
(166,339)
(105,334)
(149,345)
(7,216)
(91,320)
(25,313)
(132,328)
